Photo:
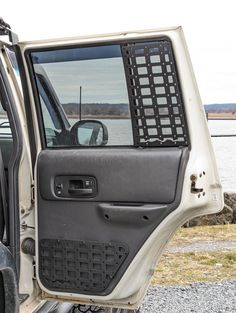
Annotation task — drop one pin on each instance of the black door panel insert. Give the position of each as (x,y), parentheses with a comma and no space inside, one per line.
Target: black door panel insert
(79,266)
(155,97)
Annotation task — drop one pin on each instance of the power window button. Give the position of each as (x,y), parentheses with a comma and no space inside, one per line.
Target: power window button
(59,187)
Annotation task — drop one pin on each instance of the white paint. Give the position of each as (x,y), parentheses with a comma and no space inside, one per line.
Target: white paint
(132,286)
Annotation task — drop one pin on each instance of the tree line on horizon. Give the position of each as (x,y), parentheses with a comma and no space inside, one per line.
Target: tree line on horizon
(122,109)
(102,109)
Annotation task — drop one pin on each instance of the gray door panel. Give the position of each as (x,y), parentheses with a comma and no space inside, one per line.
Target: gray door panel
(122,175)
(87,243)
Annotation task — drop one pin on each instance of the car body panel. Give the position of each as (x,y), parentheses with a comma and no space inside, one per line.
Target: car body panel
(130,285)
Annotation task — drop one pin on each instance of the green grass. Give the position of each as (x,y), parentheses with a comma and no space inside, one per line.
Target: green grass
(198,233)
(186,268)
(231,256)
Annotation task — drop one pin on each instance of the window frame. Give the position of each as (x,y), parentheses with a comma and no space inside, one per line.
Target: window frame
(13,166)
(120,42)
(55,112)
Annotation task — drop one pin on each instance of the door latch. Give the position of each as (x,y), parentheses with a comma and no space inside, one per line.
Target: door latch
(32,194)
(194,189)
(72,186)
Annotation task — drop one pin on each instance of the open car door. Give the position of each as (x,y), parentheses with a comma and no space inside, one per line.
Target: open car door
(122,155)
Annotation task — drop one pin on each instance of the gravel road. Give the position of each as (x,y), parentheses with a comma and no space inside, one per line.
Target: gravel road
(217,297)
(199,246)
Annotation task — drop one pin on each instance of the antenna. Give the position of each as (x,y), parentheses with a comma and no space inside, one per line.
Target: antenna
(80,102)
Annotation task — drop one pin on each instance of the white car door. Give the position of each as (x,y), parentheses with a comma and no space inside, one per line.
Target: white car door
(123,157)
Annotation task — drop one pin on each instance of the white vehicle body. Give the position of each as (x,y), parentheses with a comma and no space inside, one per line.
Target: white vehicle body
(200,194)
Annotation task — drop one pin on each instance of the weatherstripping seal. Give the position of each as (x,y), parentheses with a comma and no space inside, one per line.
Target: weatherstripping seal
(13,168)
(27,105)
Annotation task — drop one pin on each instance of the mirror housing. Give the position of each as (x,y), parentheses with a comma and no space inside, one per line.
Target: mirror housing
(89,133)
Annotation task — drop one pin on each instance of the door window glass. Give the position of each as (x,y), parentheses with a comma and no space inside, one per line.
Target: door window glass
(114,95)
(88,84)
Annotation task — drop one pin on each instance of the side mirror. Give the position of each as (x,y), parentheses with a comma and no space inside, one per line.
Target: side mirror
(89,133)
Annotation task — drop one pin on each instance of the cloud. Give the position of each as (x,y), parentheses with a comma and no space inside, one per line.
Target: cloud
(209,28)
(102,80)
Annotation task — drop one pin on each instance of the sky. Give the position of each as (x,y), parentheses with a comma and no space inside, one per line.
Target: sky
(209,28)
(102,80)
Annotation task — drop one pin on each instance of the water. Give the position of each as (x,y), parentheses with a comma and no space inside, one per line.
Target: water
(224,147)
(225,152)
(120,131)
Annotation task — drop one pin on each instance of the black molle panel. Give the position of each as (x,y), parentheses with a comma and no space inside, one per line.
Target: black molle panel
(79,266)
(155,97)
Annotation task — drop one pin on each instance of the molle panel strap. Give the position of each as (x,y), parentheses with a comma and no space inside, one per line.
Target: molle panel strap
(79,266)
(156,103)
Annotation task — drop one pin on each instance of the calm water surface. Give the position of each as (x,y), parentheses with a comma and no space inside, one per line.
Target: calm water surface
(225,151)
(225,147)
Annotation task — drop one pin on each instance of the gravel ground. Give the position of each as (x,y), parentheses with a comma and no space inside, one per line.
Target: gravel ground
(217,297)
(200,246)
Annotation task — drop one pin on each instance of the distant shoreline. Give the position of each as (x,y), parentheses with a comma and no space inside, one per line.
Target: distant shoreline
(221,115)
(103,117)
(210,116)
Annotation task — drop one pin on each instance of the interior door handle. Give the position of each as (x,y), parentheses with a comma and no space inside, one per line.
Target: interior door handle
(74,186)
(80,191)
